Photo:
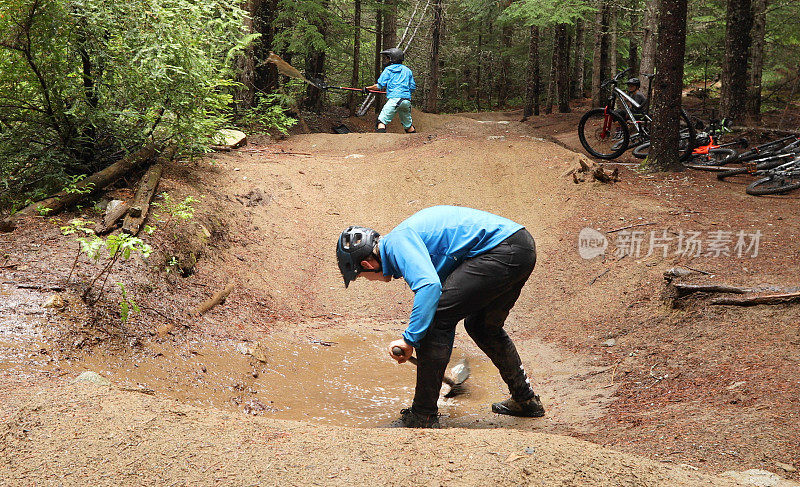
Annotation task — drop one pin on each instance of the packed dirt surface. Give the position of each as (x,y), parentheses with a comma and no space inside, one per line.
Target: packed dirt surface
(288,381)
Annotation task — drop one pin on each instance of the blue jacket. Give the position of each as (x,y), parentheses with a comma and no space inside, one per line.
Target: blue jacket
(398,81)
(429,245)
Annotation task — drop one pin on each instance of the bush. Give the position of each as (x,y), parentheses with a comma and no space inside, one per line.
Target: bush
(84,81)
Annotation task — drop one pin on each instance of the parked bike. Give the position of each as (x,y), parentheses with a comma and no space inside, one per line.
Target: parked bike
(605,134)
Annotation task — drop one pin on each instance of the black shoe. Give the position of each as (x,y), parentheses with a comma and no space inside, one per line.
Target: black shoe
(532,408)
(411,130)
(410,419)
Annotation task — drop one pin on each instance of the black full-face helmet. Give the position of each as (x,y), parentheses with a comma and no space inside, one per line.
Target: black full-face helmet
(634,82)
(394,54)
(355,244)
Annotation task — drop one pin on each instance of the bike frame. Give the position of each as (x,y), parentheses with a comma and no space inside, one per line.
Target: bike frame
(626,101)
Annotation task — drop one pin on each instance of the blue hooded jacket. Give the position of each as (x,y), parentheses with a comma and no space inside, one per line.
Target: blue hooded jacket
(398,81)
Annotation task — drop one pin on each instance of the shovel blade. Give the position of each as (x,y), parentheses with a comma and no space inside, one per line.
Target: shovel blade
(460,372)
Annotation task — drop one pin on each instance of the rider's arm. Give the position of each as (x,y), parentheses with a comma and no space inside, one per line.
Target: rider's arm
(405,252)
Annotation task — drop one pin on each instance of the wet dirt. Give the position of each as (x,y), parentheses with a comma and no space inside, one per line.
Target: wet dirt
(344,380)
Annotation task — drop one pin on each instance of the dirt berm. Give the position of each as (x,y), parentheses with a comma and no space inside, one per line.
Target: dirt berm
(88,434)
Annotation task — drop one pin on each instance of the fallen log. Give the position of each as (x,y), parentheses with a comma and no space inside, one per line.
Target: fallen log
(83,189)
(213,300)
(686,289)
(756,300)
(147,188)
(111,218)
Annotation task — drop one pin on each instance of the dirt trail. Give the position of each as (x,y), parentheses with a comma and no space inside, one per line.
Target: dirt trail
(278,208)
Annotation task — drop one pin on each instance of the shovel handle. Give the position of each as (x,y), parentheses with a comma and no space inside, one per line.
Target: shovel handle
(398,352)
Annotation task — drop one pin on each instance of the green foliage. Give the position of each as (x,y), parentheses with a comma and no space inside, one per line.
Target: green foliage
(127,306)
(83,81)
(546,12)
(72,185)
(183,210)
(117,247)
(270,113)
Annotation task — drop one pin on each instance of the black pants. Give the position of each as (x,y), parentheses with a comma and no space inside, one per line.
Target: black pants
(481,291)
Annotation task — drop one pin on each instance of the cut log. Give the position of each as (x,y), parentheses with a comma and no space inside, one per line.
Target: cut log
(755,300)
(147,188)
(85,188)
(213,300)
(111,218)
(686,289)
(141,203)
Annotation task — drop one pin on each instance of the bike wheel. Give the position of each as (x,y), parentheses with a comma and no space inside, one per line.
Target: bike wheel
(774,184)
(686,141)
(603,133)
(715,160)
(642,150)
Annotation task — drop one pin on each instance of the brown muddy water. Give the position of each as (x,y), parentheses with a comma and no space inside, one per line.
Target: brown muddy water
(347,381)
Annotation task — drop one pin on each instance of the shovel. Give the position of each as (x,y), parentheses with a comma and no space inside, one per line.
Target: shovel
(453,382)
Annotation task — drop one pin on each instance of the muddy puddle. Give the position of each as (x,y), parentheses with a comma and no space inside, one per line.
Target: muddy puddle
(347,381)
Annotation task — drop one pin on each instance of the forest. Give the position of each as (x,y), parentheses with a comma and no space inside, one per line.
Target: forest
(83,83)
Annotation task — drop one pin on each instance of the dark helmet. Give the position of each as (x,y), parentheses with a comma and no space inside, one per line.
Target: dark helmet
(395,55)
(355,244)
(634,81)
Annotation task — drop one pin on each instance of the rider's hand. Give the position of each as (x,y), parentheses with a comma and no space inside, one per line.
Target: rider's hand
(405,347)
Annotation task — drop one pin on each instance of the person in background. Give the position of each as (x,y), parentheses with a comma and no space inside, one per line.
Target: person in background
(398,81)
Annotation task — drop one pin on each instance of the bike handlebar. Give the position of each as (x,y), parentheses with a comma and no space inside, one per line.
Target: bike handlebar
(615,79)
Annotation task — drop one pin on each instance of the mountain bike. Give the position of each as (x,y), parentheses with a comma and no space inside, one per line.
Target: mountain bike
(764,157)
(778,180)
(605,134)
(708,155)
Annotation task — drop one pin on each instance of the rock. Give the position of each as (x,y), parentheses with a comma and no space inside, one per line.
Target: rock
(610,342)
(676,272)
(785,467)
(164,330)
(354,156)
(759,478)
(259,352)
(54,301)
(92,377)
(229,139)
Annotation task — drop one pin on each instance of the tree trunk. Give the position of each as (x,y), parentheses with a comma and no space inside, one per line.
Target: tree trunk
(389,24)
(532,81)
(432,97)
(479,71)
(733,98)
(315,66)
(576,86)
(613,28)
(551,79)
(378,49)
(354,81)
(756,61)
(650,29)
(600,69)
(505,63)
(666,102)
(265,77)
(562,67)
(633,39)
